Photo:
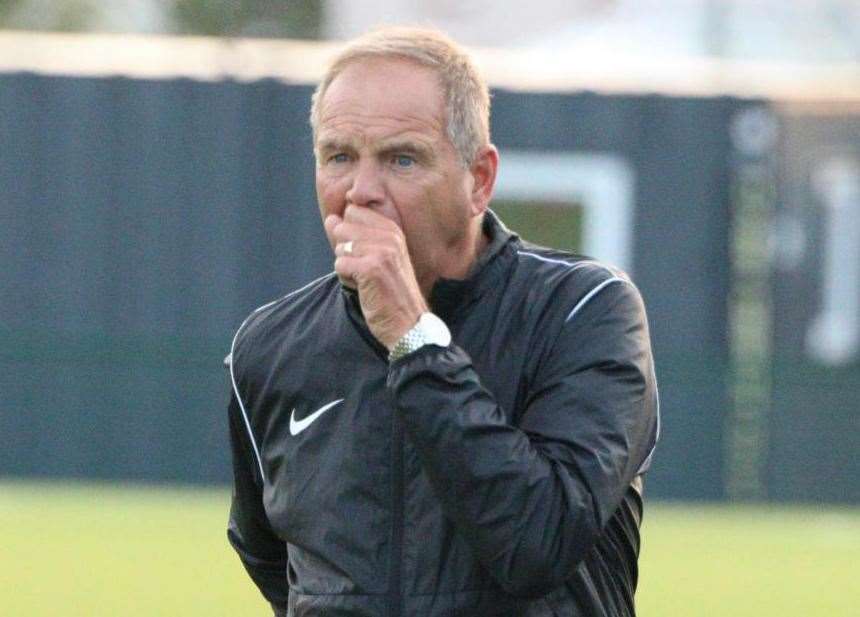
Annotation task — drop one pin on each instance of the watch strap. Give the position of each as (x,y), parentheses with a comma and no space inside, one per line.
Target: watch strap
(429,330)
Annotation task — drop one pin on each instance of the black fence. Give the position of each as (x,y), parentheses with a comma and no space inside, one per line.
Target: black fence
(142,220)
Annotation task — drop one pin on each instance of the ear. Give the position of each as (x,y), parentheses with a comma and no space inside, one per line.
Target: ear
(483,171)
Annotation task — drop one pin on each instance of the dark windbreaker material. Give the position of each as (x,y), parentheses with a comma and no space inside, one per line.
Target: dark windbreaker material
(501,476)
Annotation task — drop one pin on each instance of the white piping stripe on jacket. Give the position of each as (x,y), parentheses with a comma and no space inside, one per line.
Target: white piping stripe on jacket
(233,376)
(647,462)
(591,294)
(573,266)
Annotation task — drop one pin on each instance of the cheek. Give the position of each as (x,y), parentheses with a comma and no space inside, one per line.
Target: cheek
(411,206)
(450,202)
(421,213)
(331,195)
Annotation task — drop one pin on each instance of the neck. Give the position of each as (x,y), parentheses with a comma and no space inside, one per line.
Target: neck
(457,259)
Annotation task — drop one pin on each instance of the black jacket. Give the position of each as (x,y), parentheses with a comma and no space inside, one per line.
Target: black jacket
(499,476)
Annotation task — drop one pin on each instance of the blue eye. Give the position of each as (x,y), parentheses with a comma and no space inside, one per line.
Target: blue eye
(403,160)
(339,158)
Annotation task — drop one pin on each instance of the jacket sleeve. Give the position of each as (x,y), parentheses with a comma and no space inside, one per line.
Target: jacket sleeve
(263,554)
(532,498)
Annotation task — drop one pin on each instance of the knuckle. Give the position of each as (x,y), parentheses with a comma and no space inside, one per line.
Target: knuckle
(376,264)
(390,255)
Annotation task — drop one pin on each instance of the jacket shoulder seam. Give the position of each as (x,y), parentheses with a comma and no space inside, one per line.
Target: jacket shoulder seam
(613,275)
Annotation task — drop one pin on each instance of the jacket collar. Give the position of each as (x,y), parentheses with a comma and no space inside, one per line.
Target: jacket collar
(449,297)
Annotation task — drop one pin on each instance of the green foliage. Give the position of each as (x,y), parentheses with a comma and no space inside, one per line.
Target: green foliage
(250,18)
(266,18)
(6,7)
(556,225)
(64,16)
(86,550)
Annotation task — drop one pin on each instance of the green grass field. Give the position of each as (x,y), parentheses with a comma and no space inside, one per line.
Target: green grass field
(94,550)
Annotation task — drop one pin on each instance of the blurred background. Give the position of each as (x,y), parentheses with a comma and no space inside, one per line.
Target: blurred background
(156,185)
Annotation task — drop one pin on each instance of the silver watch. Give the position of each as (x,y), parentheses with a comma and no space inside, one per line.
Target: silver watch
(430,330)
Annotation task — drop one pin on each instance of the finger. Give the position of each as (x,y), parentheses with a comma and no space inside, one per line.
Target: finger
(364,247)
(331,221)
(329,225)
(345,231)
(344,249)
(346,268)
(369,217)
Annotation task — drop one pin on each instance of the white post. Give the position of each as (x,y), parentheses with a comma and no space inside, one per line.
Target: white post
(833,336)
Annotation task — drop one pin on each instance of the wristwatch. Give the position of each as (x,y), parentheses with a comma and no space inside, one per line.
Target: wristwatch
(430,330)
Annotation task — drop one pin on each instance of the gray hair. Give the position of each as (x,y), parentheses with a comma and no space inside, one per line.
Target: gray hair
(467,99)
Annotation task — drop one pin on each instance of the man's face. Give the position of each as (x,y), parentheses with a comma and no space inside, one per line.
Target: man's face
(382,144)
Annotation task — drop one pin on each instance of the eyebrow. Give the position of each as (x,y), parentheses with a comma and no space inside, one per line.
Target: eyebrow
(330,144)
(408,146)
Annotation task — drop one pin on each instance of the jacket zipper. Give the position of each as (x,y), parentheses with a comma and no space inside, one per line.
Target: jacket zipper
(395,578)
(395,564)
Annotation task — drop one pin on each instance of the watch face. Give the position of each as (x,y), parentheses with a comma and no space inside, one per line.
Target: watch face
(435,330)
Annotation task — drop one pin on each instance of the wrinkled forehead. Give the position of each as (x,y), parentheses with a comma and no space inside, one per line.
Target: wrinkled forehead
(384,87)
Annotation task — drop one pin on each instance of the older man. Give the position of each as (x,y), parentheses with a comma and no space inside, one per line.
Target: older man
(453,422)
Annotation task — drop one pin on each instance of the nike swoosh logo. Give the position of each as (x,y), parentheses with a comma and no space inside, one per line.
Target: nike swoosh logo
(297,426)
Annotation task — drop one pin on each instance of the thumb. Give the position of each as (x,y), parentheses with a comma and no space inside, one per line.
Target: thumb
(329,224)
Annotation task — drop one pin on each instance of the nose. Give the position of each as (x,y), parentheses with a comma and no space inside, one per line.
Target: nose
(367,187)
